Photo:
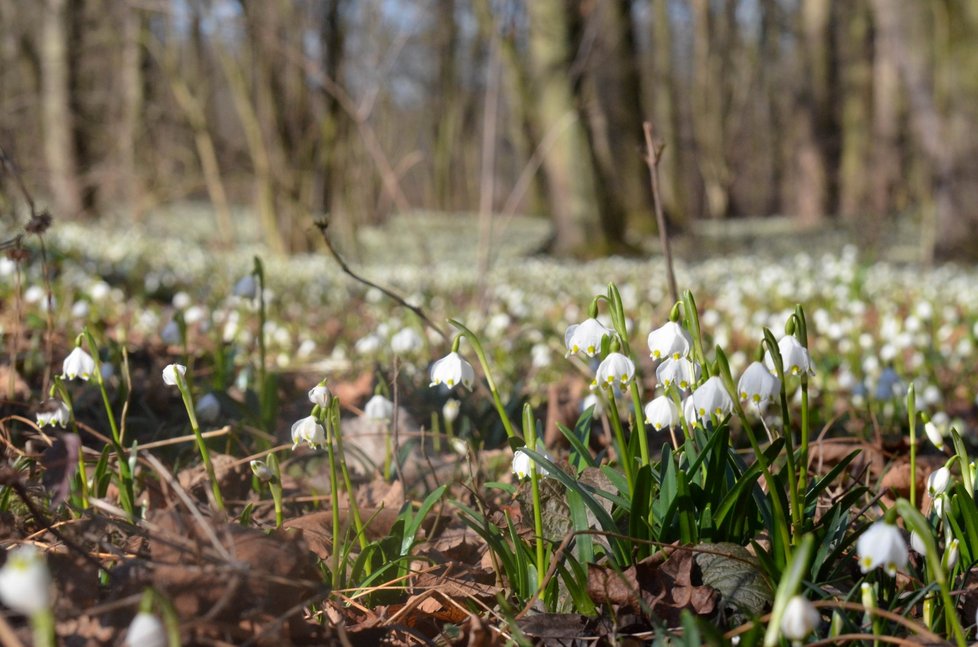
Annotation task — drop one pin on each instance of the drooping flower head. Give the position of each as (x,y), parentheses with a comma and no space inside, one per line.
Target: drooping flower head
(794,357)
(585,337)
(615,369)
(799,620)
(53,412)
(78,364)
(452,370)
(882,545)
(449,410)
(146,630)
(379,408)
(711,398)
(320,395)
(669,340)
(661,413)
(308,430)
(757,386)
(523,464)
(681,372)
(938,481)
(173,374)
(25,582)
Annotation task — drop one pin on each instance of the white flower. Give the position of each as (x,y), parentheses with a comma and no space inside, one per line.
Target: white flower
(758,386)
(689,411)
(146,630)
(53,412)
(917,543)
(670,340)
(800,619)
(208,408)
(794,357)
(406,341)
(662,412)
(934,434)
(246,287)
(320,395)
(379,408)
(368,345)
(592,400)
(882,545)
(938,481)
(711,398)
(522,464)
(308,430)
(261,470)
(615,368)
(452,370)
(449,410)
(78,364)
(25,582)
(173,374)
(681,372)
(951,555)
(585,337)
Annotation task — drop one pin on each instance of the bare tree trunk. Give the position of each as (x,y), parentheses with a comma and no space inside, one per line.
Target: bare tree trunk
(567,162)
(887,103)
(709,108)
(131,81)
(56,114)
(856,66)
(811,176)
(667,121)
(448,108)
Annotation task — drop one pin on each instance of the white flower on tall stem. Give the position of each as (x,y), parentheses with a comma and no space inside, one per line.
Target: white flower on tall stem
(661,413)
(882,545)
(669,340)
(146,630)
(320,395)
(308,430)
(711,398)
(794,357)
(615,368)
(379,408)
(53,412)
(938,482)
(523,464)
(585,337)
(173,374)
(757,386)
(934,434)
(78,364)
(25,582)
(451,371)
(681,372)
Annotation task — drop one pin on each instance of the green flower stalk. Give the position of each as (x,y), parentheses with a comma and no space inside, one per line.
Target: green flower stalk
(912,420)
(774,352)
(529,430)
(801,334)
(484,362)
(175,375)
(268,472)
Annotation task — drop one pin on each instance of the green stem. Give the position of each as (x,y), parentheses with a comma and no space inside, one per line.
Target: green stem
(334,496)
(481,354)
(912,418)
(188,403)
(42,624)
(803,448)
(639,428)
(334,413)
(529,430)
(623,456)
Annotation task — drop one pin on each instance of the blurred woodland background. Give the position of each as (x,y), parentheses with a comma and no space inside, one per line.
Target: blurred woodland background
(846,113)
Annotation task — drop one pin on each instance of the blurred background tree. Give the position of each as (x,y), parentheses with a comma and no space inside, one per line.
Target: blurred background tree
(834,114)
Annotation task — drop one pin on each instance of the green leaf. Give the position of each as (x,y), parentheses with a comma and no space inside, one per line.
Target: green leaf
(413,521)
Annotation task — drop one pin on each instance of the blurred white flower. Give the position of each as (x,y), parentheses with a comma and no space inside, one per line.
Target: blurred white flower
(669,340)
(585,337)
(320,395)
(938,481)
(378,408)
(451,371)
(246,287)
(25,582)
(171,333)
(53,412)
(78,364)
(592,400)
(882,545)
(681,372)
(261,470)
(934,434)
(181,300)
(522,464)
(146,630)
(450,409)
(368,345)
(308,430)
(799,620)
(208,408)
(173,374)
(405,341)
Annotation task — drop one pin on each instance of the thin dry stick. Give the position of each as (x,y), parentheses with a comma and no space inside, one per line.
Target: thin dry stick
(652,159)
(323,225)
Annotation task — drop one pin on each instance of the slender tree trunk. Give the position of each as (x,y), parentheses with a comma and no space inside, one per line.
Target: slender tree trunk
(131,81)
(856,65)
(887,102)
(56,114)
(448,113)
(672,168)
(567,162)
(709,109)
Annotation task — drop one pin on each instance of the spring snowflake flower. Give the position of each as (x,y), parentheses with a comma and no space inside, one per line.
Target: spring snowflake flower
(449,410)
(585,337)
(25,582)
(379,408)
(146,630)
(406,341)
(308,431)
(681,372)
(522,464)
(320,395)
(938,482)
(800,619)
(208,408)
(78,364)
(712,398)
(794,356)
(261,470)
(452,370)
(615,368)
(882,545)
(670,340)
(53,412)
(934,434)
(173,374)
(661,413)
(246,287)
(592,400)
(758,386)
